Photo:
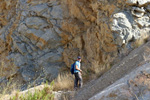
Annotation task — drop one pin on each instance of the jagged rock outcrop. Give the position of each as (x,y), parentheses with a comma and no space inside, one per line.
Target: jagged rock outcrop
(132,23)
(38,38)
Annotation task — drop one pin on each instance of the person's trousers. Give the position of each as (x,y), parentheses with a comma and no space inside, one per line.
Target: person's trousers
(78,78)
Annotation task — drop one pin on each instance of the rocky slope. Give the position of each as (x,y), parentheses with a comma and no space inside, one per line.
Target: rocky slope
(134,86)
(137,58)
(38,38)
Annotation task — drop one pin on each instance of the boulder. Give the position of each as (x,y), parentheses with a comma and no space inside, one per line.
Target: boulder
(138,12)
(143,22)
(138,9)
(138,2)
(121,20)
(122,28)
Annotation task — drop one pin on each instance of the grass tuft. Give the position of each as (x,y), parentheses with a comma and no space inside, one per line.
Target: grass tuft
(64,82)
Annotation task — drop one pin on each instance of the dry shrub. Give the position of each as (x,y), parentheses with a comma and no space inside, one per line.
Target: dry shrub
(64,81)
(11,81)
(8,88)
(142,40)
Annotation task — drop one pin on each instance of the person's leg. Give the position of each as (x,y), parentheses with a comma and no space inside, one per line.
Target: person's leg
(80,80)
(76,80)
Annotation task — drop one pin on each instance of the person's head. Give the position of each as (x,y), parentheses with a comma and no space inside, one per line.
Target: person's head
(79,58)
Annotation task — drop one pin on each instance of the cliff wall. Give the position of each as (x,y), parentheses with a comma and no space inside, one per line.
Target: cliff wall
(38,38)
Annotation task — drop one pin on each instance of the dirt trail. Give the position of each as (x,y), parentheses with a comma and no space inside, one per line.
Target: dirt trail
(136,58)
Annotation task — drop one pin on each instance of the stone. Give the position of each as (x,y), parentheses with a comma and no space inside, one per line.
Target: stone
(121,20)
(143,2)
(138,9)
(59,95)
(138,12)
(122,28)
(143,22)
(138,2)
(131,2)
(136,33)
(36,22)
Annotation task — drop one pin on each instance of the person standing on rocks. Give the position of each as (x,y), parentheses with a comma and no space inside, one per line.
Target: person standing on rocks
(78,73)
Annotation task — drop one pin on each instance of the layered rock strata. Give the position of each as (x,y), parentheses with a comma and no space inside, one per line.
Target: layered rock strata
(38,38)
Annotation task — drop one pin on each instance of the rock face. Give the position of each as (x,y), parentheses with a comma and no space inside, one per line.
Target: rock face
(134,60)
(32,39)
(39,37)
(132,86)
(129,25)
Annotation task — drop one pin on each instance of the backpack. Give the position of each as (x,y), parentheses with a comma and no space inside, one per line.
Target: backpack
(72,68)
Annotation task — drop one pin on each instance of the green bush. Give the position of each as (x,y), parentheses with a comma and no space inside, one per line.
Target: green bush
(44,94)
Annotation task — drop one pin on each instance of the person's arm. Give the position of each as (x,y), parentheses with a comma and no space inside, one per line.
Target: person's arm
(78,68)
